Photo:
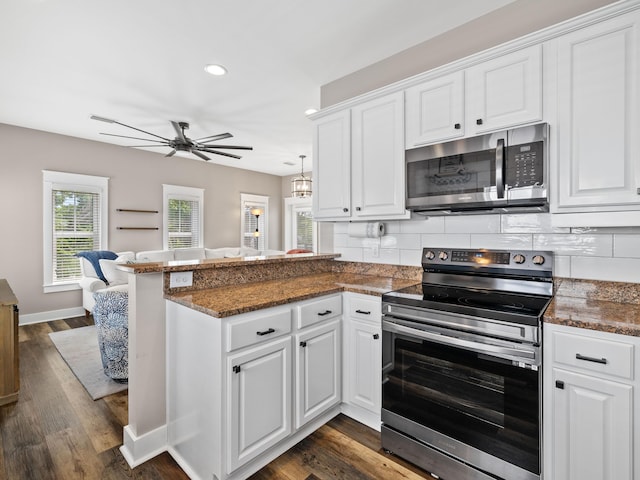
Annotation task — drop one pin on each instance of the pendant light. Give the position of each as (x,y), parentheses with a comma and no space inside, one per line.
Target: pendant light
(301,186)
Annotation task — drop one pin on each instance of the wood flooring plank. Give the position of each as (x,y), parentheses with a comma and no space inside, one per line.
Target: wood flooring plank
(118,403)
(72,448)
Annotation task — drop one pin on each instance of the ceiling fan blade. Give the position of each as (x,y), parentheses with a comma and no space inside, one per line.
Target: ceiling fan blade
(235,147)
(136,138)
(171,153)
(146,146)
(213,138)
(108,120)
(201,155)
(218,153)
(179,132)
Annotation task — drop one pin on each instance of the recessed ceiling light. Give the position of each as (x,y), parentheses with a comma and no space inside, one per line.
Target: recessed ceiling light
(215,69)
(310,111)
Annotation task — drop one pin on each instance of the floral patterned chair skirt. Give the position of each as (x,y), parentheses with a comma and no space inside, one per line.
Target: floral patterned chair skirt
(112,323)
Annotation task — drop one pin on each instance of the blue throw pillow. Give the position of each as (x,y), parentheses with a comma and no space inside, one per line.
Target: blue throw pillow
(94,256)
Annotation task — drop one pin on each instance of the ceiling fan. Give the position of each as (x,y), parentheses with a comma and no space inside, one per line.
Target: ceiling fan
(181,143)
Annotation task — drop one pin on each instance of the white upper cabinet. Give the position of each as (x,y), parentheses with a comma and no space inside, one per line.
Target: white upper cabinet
(359,162)
(332,166)
(435,110)
(498,93)
(598,161)
(505,91)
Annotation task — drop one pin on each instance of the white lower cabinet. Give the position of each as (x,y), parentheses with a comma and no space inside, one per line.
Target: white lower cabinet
(363,358)
(318,371)
(259,400)
(590,432)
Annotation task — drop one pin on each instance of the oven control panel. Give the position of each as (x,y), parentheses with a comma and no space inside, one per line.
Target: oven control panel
(477,258)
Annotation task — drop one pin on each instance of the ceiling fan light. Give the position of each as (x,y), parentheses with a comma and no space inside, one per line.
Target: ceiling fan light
(301,186)
(216,70)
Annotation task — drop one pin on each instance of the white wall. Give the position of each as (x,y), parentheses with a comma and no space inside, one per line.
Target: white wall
(590,253)
(136,179)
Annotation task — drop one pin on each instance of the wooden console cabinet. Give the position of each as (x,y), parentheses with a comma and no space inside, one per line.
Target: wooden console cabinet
(9,372)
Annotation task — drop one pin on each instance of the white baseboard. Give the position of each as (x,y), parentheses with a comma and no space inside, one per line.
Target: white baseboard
(51,315)
(138,449)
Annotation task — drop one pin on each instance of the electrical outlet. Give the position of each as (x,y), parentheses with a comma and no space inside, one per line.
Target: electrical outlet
(180,279)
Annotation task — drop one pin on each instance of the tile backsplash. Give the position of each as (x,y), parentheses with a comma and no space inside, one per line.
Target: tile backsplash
(611,254)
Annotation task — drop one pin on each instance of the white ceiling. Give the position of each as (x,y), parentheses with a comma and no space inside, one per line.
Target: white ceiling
(141,63)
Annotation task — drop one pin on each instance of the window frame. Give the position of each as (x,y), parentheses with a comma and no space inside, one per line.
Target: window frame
(177,192)
(261,201)
(291,205)
(75,182)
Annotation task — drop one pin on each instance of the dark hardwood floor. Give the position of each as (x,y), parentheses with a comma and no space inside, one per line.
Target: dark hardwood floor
(56,431)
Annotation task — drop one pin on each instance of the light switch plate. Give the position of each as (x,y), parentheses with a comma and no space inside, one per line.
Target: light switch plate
(180,279)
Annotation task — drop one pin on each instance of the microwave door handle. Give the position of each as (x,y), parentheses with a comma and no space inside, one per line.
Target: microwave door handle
(500,168)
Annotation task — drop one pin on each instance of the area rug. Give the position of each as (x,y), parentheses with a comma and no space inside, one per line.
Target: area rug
(79,348)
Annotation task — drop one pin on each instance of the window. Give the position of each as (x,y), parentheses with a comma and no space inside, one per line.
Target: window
(74,220)
(183,215)
(300,229)
(254,221)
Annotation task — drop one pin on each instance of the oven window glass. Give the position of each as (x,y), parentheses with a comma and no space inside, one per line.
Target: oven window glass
(455,174)
(478,400)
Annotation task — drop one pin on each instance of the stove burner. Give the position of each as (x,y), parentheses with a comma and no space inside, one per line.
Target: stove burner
(491,303)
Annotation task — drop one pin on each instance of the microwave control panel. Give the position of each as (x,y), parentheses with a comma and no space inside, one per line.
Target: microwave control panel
(525,165)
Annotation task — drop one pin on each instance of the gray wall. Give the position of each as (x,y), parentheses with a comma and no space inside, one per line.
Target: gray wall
(507,23)
(136,179)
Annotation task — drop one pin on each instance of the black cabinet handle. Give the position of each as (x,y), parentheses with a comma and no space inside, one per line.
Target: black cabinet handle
(479,121)
(457,126)
(560,384)
(376,336)
(363,312)
(345,209)
(236,369)
(326,312)
(266,332)
(303,344)
(591,359)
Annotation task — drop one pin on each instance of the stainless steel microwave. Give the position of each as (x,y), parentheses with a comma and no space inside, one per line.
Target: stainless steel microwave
(505,170)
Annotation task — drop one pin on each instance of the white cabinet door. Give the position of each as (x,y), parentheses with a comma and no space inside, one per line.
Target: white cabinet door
(364,365)
(434,110)
(318,371)
(332,166)
(598,143)
(377,183)
(505,91)
(259,400)
(592,428)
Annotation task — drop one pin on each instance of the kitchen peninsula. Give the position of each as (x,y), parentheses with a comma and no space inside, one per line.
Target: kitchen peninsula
(298,292)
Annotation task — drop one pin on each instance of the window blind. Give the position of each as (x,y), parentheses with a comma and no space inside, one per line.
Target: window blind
(76,227)
(183,223)
(304,229)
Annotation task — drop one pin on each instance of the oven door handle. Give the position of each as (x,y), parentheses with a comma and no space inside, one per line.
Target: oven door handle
(457,342)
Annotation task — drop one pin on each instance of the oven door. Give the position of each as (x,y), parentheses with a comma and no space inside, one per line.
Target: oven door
(473,406)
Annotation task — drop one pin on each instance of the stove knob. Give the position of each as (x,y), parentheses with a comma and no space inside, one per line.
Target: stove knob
(519,258)
(538,260)
(429,255)
(443,256)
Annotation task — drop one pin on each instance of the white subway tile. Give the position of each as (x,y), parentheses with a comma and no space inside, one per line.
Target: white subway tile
(401,240)
(411,257)
(340,227)
(607,269)
(425,225)
(562,266)
(529,223)
(392,227)
(472,224)
(446,240)
(340,240)
(572,244)
(385,255)
(626,246)
(350,254)
(502,242)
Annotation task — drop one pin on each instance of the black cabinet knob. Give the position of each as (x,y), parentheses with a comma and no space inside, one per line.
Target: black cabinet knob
(376,336)
(479,121)
(457,126)
(560,384)
(358,209)
(345,209)
(303,344)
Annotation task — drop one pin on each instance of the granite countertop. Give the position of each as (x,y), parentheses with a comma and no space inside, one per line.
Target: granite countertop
(235,299)
(604,306)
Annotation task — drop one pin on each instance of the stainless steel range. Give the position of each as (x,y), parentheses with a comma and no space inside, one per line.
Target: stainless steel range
(462,376)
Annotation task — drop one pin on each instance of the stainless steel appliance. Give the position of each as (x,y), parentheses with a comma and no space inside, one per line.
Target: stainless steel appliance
(462,376)
(506,170)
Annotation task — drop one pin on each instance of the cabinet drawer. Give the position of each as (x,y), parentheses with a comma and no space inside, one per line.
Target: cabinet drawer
(367,309)
(256,329)
(594,354)
(319,310)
